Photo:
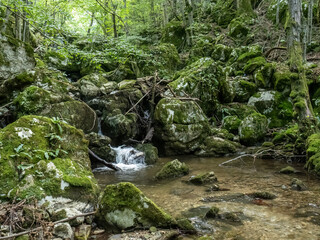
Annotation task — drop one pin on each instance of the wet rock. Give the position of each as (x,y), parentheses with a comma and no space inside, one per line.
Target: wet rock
(215,146)
(63,213)
(231,216)
(180,126)
(288,170)
(100,145)
(125,84)
(150,153)
(253,129)
(63,230)
(298,185)
(124,206)
(204,178)
(82,232)
(213,212)
(172,169)
(53,160)
(262,195)
(185,225)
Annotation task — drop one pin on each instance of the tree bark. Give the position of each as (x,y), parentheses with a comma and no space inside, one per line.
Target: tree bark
(299,88)
(244,7)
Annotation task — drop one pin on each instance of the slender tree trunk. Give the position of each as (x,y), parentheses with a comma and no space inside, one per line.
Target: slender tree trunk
(277,13)
(114,22)
(299,87)
(126,27)
(189,22)
(91,23)
(165,14)
(310,19)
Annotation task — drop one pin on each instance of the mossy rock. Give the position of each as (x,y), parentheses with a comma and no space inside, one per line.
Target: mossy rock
(216,146)
(124,206)
(253,129)
(240,110)
(201,80)
(213,212)
(313,153)
(276,107)
(243,89)
(238,28)
(150,153)
(282,81)
(223,12)
(202,47)
(97,79)
(254,64)
(221,53)
(172,169)
(180,126)
(289,135)
(120,127)
(204,178)
(126,84)
(231,123)
(288,170)
(44,157)
(174,33)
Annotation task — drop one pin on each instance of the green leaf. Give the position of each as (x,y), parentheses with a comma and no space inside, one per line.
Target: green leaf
(19,148)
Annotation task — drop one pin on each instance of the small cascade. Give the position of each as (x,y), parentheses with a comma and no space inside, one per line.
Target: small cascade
(99,126)
(127,158)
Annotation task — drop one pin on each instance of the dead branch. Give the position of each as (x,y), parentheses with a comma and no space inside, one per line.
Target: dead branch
(41,228)
(104,162)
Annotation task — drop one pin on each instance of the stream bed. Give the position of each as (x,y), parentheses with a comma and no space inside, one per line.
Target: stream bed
(291,215)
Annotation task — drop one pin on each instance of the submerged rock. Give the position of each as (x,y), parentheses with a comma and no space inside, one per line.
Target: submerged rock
(172,169)
(288,170)
(253,129)
(40,157)
(124,206)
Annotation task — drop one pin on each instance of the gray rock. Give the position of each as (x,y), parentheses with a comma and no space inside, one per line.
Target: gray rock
(173,169)
(82,232)
(63,230)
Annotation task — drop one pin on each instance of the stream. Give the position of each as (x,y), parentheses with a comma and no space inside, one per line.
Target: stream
(291,215)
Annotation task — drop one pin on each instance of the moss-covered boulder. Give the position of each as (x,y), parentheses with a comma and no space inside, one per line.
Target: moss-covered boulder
(35,100)
(150,153)
(15,56)
(253,129)
(254,64)
(238,27)
(203,178)
(275,106)
(180,126)
(90,85)
(240,110)
(231,123)
(172,169)
(100,145)
(42,157)
(216,146)
(124,206)
(313,153)
(174,33)
(243,89)
(120,127)
(221,52)
(201,80)
(282,81)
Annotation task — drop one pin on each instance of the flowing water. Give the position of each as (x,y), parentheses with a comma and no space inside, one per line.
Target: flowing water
(292,215)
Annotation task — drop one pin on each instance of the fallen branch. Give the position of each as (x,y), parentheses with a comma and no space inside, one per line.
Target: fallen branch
(272,49)
(41,228)
(104,162)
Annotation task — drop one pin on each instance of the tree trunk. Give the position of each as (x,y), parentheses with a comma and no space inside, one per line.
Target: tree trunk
(299,88)
(189,21)
(244,7)
(114,22)
(165,14)
(91,24)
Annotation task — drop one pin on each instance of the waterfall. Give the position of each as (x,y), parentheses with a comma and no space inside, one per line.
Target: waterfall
(129,158)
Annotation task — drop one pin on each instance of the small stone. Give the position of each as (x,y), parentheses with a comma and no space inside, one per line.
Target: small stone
(185,224)
(63,230)
(213,188)
(213,212)
(297,184)
(203,178)
(263,195)
(98,231)
(288,170)
(153,229)
(82,232)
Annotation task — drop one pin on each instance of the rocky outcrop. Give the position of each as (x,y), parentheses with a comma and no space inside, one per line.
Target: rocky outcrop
(42,157)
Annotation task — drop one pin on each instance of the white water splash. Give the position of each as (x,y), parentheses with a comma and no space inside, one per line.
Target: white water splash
(127,158)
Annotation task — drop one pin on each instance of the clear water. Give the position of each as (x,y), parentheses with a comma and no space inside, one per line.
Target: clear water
(285,217)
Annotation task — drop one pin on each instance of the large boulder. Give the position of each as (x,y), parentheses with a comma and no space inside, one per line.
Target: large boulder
(150,153)
(15,56)
(216,146)
(253,129)
(201,80)
(42,157)
(35,100)
(180,126)
(276,107)
(124,206)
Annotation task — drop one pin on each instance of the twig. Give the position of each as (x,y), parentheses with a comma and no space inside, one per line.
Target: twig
(40,228)
(109,165)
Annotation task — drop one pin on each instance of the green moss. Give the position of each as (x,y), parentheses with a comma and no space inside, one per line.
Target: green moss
(150,152)
(251,54)
(244,90)
(283,81)
(174,33)
(287,135)
(172,169)
(213,212)
(221,52)
(254,64)
(288,170)
(124,199)
(231,123)
(204,178)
